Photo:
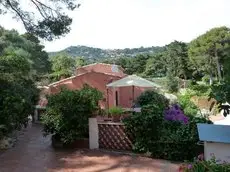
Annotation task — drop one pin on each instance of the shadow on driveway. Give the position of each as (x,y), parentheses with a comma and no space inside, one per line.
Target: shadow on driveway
(33,153)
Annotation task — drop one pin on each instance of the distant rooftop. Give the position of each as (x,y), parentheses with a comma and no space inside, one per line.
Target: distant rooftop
(102,68)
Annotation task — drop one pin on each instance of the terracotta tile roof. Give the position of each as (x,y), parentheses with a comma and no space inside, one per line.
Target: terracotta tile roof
(67,80)
(61,81)
(101,68)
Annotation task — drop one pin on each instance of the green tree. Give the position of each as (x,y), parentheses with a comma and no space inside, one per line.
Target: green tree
(172,82)
(62,66)
(80,61)
(18,93)
(68,112)
(15,64)
(22,50)
(177,59)
(16,103)
(50,20)
(40,58)
(206,51)
(156,66)
(125,63)
(28,46)
(138,63)
(175,56)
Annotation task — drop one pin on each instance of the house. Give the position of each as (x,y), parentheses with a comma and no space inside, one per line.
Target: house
(96,75)
(99,75)
(216,140)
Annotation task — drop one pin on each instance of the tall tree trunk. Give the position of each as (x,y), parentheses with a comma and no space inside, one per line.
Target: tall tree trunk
(218,65)
(185,79)
(210,79)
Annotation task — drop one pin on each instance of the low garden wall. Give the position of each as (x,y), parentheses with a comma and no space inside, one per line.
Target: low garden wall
(108,135)
(113,136)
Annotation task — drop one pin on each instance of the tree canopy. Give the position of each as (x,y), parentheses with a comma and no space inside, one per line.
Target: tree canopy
(177,59)
(62,66)
(206,51)
(26,46)
(80,61)
(156,66)
(19,64)
(46,19)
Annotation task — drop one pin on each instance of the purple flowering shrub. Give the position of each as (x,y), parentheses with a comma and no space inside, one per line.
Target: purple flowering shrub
(177,128)
(174,113)
(167,132)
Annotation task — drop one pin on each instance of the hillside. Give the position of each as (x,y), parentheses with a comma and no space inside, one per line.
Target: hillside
(97,53)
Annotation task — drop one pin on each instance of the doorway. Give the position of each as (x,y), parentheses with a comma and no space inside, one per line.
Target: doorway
(116,98)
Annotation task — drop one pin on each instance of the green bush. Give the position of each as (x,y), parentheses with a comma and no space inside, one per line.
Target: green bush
(179,142)
(144,127)
(115,111)
(200,89)
(17,100)
(165,139)
(152,97)
(206,79)
(68,112)
(190,83)
(187,105)
(172,82)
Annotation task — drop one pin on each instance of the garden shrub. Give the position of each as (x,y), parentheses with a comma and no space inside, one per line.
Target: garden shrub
(141,126)
(68,112)
(175,113)
(200,89)
(187,105)
(144,127)
(115,111)
(190,83)
(200,165)
(152,97)
(178,141)
(172,82)
(165,132)
(206,79)
(17,100)
(179,136)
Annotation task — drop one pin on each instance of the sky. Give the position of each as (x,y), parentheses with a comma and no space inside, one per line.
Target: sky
(113,24)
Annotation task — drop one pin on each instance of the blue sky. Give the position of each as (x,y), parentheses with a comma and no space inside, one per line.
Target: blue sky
(134,23)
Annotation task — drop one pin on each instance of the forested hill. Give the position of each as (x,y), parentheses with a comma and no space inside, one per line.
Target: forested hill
(97,53)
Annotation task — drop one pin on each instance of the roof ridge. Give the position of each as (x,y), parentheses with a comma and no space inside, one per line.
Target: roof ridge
(72,77)
(106,64)
(61,80)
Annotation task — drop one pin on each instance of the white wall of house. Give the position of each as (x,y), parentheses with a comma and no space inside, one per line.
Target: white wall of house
(220,150)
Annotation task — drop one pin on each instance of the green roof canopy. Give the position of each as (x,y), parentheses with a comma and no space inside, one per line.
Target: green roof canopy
(133,80)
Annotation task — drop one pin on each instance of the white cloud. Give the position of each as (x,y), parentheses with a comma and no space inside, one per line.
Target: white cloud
(135,23)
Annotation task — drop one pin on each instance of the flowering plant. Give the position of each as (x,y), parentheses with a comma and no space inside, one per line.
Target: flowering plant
(174,113)
(200,165)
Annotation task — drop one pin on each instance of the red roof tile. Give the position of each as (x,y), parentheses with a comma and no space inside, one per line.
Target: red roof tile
(102,68)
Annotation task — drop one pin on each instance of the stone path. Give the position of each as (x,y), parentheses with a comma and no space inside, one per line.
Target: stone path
(33,153)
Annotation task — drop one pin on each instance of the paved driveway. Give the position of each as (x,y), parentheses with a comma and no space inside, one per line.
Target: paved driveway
(33,153)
